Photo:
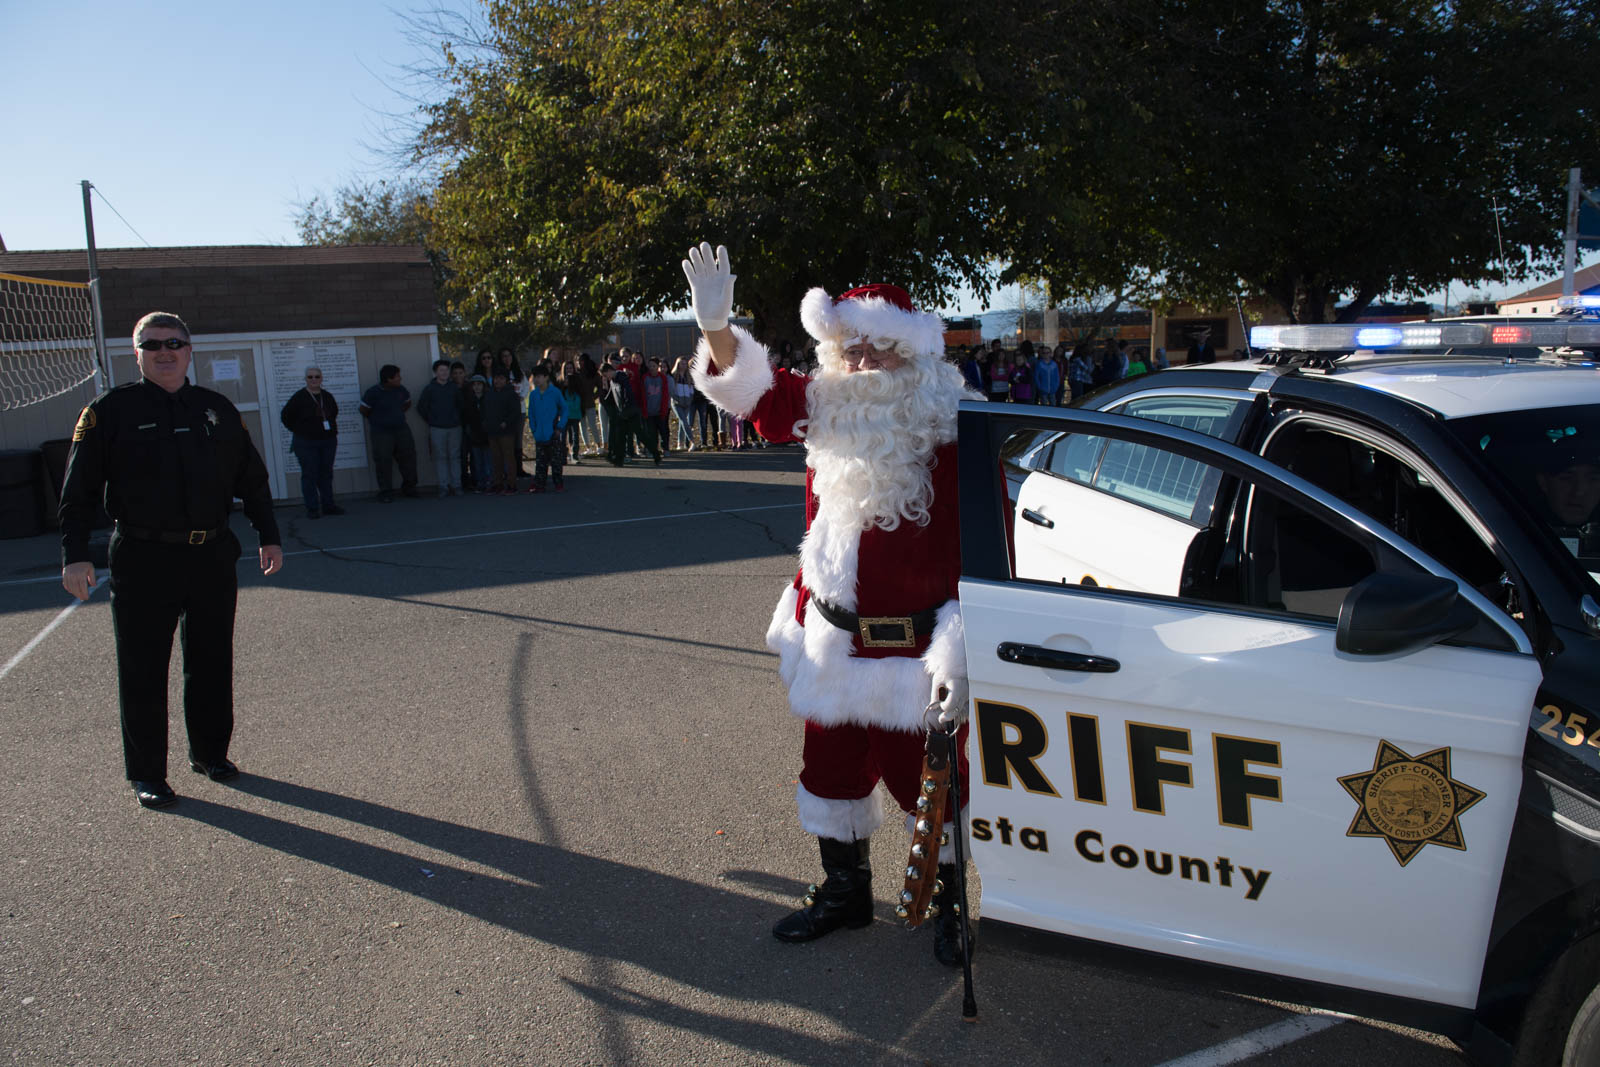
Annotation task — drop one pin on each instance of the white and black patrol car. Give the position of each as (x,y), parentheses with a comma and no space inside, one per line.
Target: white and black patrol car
(1287,672)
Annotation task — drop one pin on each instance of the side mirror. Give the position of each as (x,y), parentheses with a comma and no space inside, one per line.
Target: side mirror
(1385,614)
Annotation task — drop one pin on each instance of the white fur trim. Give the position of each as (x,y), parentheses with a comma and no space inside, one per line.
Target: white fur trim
(738,389)
(873,317)
(842,820)
(829,685)
(829,558)
(946,656)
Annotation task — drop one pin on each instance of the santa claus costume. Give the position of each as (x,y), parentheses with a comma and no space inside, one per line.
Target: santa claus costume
(870,627)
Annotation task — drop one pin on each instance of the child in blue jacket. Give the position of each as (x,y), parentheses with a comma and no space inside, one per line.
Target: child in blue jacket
(547,419)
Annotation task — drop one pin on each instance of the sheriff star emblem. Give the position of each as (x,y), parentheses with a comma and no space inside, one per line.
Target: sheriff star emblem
(1409,801)
(211,416)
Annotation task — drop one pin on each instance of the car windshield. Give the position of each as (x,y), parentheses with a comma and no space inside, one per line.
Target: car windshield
(1550,457)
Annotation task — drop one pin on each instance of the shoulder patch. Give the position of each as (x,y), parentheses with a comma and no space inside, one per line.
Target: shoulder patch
(86,422)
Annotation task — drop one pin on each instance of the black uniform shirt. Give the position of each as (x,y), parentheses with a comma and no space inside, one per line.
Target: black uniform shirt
(164,461)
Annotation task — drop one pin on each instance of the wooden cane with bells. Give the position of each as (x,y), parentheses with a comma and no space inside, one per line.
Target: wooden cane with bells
(940,792)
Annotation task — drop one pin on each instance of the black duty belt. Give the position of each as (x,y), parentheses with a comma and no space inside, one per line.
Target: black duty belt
(170,537)
(880,631)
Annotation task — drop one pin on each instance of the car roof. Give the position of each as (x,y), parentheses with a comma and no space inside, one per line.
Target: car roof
(1454,386)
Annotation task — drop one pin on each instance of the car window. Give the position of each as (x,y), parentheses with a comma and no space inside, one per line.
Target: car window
(1213,416)
(1395,492)
(1550,459)
(1075,456)
(1152,477)
(1134,527)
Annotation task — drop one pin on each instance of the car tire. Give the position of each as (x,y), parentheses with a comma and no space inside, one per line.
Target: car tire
(1583,1036)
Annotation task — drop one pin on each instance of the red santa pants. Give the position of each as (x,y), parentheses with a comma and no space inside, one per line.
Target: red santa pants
(845,762)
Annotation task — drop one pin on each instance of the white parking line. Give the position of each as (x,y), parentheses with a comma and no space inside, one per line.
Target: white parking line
(102,581)
(1258,1041)
(490,533)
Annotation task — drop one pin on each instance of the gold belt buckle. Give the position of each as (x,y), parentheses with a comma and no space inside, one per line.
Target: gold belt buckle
(197,537)
(865,625)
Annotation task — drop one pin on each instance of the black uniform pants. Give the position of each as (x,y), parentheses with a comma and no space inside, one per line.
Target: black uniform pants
(156,588)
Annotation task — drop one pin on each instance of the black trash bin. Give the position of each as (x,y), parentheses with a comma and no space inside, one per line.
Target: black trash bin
(21,493)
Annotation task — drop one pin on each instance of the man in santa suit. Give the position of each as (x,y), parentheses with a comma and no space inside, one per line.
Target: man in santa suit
(868,633)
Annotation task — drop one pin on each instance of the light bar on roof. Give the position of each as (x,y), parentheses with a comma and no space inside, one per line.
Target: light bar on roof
(1423,335)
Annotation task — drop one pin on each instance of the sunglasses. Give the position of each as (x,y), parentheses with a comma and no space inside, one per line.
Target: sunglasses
(173,343)
(313,377)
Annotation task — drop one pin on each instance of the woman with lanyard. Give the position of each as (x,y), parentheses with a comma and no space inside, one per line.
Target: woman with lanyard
(312,416)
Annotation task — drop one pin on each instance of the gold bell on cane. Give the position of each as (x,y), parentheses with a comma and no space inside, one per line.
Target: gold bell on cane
(929,786)
(901,912)
(938,886)
(923,804)
(913,873)
(932,912)
(944,839)
(907,896)
(919,851)
(924,827)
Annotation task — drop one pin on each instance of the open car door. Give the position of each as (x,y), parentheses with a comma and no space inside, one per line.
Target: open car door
(1295,750)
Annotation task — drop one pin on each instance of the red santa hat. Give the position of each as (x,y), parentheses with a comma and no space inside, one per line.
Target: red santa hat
(878,312)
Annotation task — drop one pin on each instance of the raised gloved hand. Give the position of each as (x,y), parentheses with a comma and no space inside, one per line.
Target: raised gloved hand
(952,697)
(710,286)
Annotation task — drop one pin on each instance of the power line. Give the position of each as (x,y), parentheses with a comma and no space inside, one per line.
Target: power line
(118,214)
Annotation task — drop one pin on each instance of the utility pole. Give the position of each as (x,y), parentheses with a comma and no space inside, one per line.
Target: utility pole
(1570,259)
(94,293)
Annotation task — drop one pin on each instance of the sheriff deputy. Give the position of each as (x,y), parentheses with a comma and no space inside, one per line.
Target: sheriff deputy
(167,458)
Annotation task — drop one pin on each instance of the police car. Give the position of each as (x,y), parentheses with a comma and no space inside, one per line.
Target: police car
(1288,672)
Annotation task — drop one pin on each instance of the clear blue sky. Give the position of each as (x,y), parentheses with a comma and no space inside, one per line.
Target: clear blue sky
(204,123)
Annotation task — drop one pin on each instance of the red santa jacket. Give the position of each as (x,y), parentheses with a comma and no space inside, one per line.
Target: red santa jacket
(832,677)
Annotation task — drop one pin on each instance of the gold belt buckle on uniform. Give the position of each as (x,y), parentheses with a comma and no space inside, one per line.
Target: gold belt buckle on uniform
(908,638)
(197,537)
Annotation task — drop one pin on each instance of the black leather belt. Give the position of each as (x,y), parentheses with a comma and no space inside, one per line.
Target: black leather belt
(170,537)
(880,631)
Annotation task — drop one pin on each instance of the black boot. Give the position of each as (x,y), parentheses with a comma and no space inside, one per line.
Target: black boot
(947,924)
(843,899)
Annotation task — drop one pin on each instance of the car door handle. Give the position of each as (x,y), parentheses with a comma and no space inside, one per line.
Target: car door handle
(1038,519)
(1055,659)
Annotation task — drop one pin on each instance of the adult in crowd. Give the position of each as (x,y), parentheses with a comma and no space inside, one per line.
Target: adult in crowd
(440,407)
(970,368)
(477,433)
(485,364)
(869,632)
(1080,370)
(312,418)
(1158,359)
(705,415)
(683,403)
(1046,377)
(502,420)
(167,459)
(384,406)
(1201,350)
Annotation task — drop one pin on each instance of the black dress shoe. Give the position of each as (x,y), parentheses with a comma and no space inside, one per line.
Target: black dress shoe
(219,771)
(154,794)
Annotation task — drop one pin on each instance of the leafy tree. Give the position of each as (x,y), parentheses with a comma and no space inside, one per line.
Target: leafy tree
(826,142)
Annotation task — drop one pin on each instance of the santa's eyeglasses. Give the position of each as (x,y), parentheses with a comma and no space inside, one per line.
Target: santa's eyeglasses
(858,350)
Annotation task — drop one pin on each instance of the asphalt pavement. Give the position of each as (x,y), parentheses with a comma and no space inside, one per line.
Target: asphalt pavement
(519,788)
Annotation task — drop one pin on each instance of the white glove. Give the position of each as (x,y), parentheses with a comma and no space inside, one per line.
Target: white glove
(710,286)
(952,697)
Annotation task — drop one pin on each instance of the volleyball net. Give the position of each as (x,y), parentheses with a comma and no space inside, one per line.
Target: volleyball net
(47,339)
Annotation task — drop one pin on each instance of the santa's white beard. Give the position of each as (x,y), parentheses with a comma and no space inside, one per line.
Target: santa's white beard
(870,435)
